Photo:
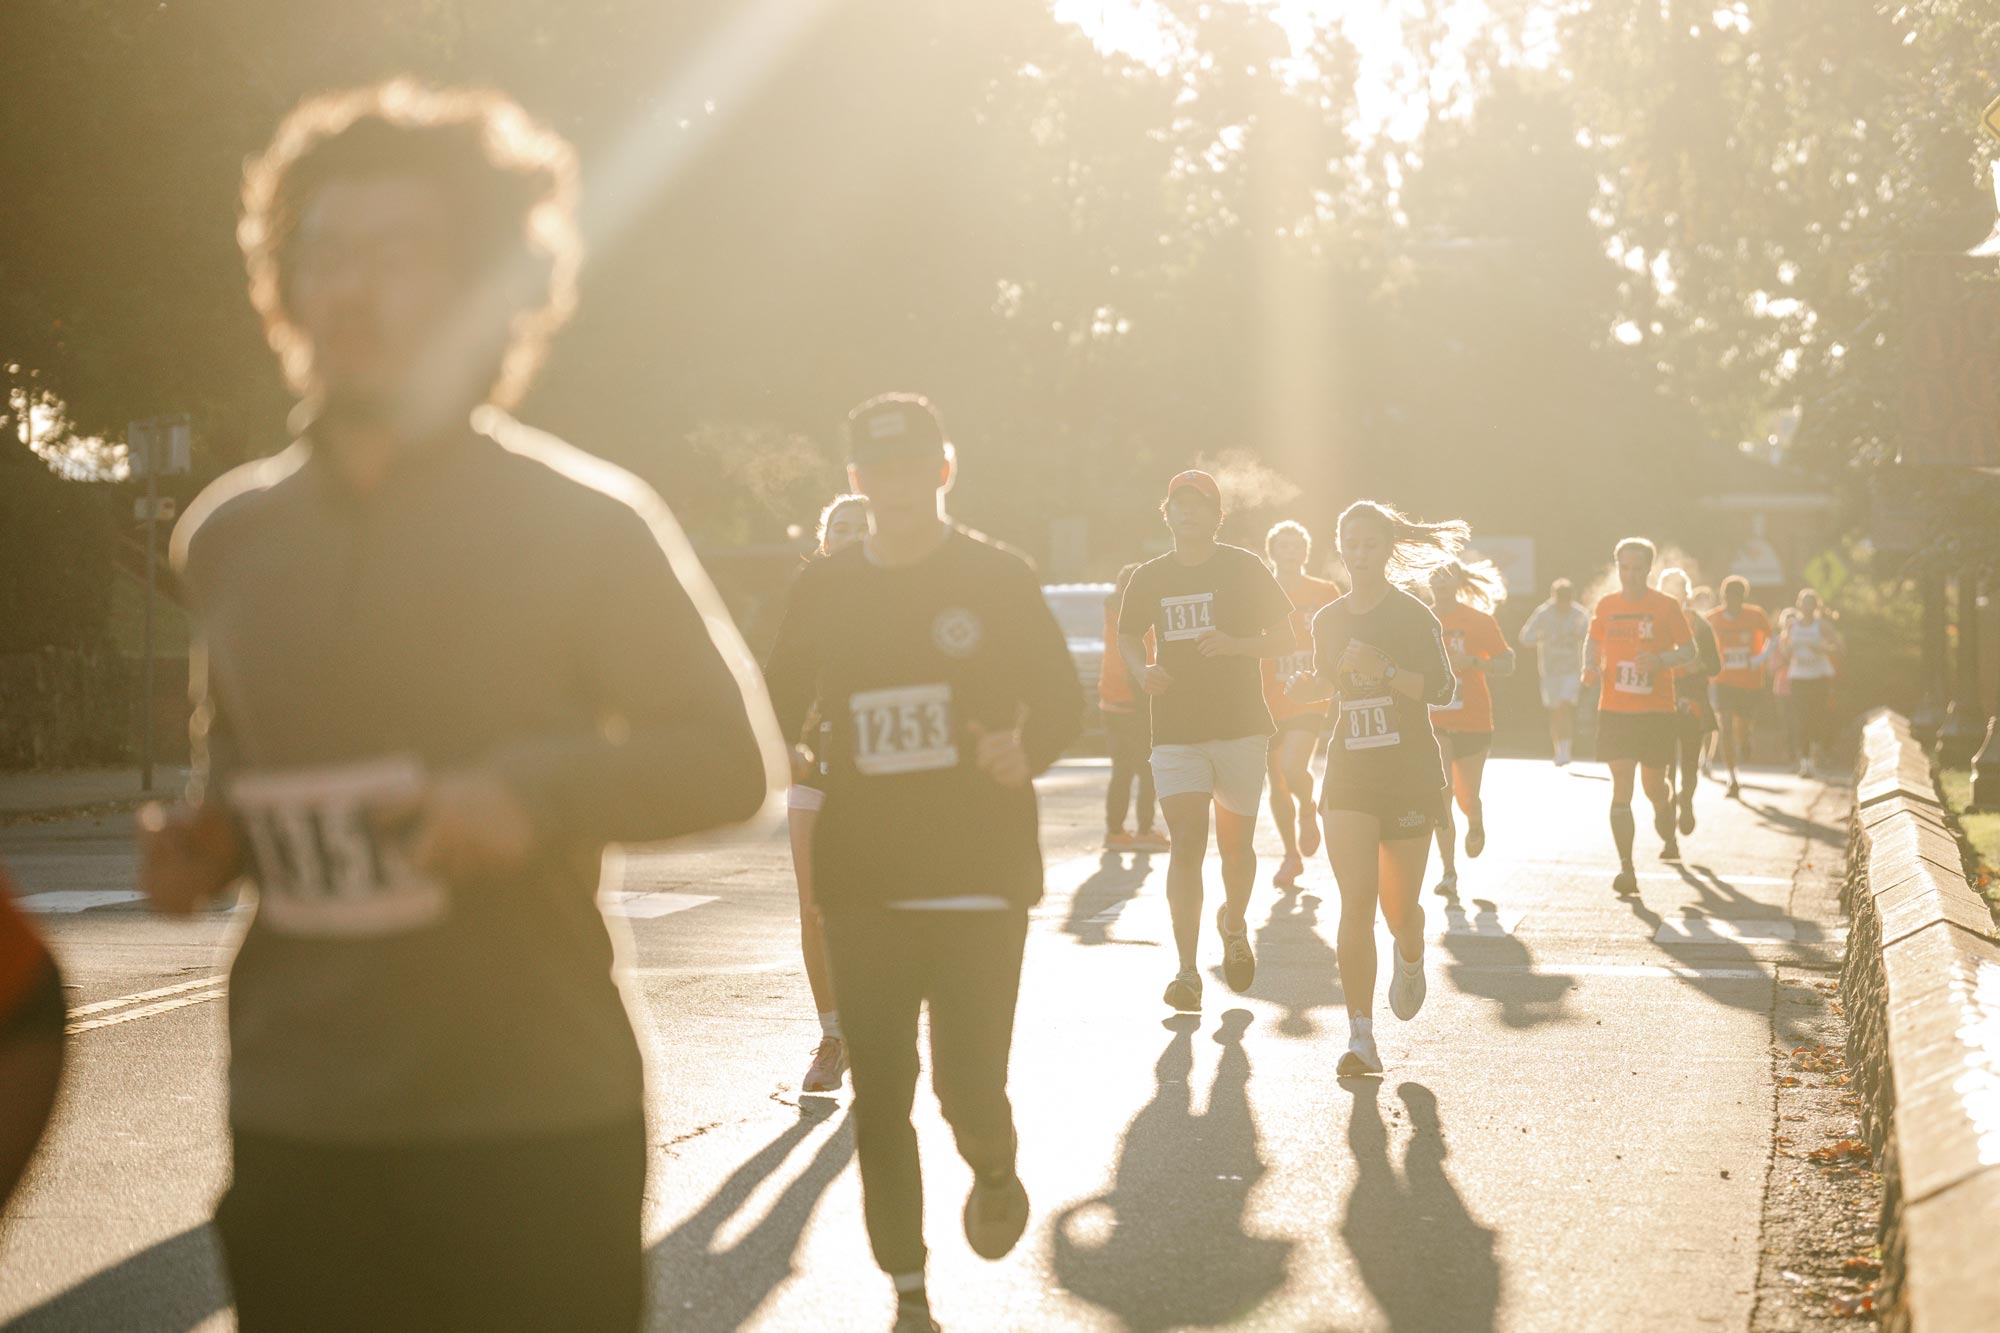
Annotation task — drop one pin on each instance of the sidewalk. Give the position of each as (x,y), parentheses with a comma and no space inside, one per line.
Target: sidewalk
(42,795)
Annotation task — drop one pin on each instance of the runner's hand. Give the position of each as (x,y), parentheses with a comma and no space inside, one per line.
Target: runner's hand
(1157,680)
(1214,643)
(187,855)
(802,763)
(999,754)
(1363,661)
(467,826)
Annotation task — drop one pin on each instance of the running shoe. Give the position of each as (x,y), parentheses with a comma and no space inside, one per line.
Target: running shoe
(1627,882)
(1120,841)
(1448,884)
(1735,790)
(1475,838)
(1308,833)
(914,1317)
(828,1065)
(996,1213)
(1805,768)
(1239,965)
(1671,850)
(1361,1057)
(1151,840)
(1184,992)
(1406,985)
(1289,871)
(1687,814)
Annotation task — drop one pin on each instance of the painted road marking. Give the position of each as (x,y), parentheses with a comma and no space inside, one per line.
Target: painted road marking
(1693,873)
(163,999)
(644,906)
(1487,922)
(1712,929)
(76,900)
(1643,970)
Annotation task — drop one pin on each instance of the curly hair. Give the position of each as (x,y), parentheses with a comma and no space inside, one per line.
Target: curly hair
(1416,549)
(513,188)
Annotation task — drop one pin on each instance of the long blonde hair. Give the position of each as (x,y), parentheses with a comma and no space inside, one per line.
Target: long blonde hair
(1477,585)
(1416,549)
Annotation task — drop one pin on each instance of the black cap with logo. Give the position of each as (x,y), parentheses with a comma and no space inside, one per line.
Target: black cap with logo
(893,426)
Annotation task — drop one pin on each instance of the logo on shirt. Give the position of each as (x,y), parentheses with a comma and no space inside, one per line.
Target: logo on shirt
(957,632)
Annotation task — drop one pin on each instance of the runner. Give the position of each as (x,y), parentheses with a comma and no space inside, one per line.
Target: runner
(1287,546)
(1637,637)
(31,1040)
(1558,629)
(442,660)
(1696,715)
(1743,632)
(1214,610)
(1129,730)
(1702,602)
(1474,646)
(1381,653)
(947,685)
(842,523)
(1811,647)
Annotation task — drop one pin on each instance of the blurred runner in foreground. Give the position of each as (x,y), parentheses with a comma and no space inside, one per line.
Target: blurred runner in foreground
(443,659)
(1288,546)
(841,524)
(1557,629)
(946,686)
(31,1040)
(1465,597)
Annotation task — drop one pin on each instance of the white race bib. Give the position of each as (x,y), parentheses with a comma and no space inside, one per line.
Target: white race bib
(1294,664)
(1631,680)
(1736,659)
(908,729)
(323,868)
(1187,617)
(1369,724)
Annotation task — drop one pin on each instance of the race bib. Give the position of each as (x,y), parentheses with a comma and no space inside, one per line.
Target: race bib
(1369,724)
(1294,664)
(1736,659)
(1629,679)
(908,729)
(324,868)
(1187,617)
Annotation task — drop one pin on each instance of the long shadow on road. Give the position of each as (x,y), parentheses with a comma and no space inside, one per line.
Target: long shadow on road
(1426,1260)
(1166,1246)
(1297,967)
(1489,962)
(167,1287)
(1099,899)
(696,1286)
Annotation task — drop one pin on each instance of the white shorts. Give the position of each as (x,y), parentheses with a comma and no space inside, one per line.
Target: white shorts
(804,798)
(1565,688)
(1231,771)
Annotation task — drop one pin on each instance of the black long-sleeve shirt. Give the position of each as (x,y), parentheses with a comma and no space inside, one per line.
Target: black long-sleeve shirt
(501,602)
(901,661)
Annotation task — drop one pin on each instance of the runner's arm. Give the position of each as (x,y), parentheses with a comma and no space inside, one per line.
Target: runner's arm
(1532,631)
(1132,648)
(1500,664)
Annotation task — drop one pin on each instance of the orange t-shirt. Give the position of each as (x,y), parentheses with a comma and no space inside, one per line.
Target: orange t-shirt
(1308,595)
(23,960)
(1114,682)
(1623,627)
(1475,634)
(1741,637)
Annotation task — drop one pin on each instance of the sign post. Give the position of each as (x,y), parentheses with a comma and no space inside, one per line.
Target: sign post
(155,445)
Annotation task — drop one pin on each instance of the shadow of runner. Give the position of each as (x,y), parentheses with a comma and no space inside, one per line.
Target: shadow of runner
(1165,1247)
(1811,830)
(1489,962)
(1296,966)
(1426,1260)
(1753,994)
(1112,885)
(694,1286)
(167,1287)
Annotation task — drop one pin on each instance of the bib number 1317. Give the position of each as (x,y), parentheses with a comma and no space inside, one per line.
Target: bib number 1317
(908,729)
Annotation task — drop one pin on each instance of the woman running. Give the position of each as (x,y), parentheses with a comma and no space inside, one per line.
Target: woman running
(1697,714)
(1809,649)
(1380,652)
(1465,597)
(1288,764)
(841,524)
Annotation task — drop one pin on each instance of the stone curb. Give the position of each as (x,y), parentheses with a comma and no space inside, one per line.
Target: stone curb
(1922,986)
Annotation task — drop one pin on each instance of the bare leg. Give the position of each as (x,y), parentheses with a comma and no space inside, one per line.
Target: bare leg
(812,942)
(1295,751)
(1233,834)
(1187,827)
(1284,808)
(1353,843)
(1399,885)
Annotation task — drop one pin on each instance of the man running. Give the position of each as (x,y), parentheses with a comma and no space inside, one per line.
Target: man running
(1288,546)
(1214,611)
(1743,632)
(1128,729)
(443,660)
(1465,596)
(1638,635)
(1696,714)
(948,686)
(1558,629)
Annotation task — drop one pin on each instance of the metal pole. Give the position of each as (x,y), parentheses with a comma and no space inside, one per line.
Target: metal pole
(1965,720)
(146,675)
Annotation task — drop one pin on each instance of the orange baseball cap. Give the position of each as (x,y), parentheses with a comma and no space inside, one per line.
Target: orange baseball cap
(1198,479)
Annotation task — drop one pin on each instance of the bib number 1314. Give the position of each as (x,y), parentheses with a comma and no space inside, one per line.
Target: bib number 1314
(908,729)
(1369,724)
(1632,680)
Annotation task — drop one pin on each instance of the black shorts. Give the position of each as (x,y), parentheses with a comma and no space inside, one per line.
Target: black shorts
(1465,744)
(1402,814)
(1697,718)
(1649,738)
(1738,700)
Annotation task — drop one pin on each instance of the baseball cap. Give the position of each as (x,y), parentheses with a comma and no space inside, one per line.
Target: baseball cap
(894,425)
(1198,479)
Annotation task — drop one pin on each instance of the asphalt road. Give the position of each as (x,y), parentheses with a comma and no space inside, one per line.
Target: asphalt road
(1573,1134)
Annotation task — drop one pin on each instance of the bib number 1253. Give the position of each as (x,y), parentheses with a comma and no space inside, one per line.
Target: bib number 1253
(908,729)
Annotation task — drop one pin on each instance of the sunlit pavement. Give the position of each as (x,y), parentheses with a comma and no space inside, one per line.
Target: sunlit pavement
(1573,1133)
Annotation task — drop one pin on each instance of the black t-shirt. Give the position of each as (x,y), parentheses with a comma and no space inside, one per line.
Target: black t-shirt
(1381,739)
(900,661)
(1212,698)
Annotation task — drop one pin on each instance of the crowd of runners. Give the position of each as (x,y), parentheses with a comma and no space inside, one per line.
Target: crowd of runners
(445,659)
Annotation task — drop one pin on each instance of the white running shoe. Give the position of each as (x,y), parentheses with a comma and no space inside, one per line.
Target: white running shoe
(1448,884)
(1406,985)
(1361,1057)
